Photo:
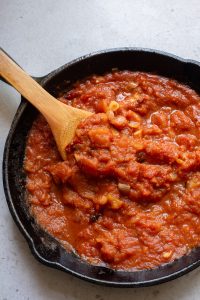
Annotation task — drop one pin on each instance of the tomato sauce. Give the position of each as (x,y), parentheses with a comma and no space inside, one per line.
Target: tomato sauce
(128,194)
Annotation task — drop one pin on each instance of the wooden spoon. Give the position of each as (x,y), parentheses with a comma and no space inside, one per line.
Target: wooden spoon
(63,119)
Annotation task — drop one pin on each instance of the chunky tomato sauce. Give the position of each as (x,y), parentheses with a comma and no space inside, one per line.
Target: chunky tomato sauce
(128,195)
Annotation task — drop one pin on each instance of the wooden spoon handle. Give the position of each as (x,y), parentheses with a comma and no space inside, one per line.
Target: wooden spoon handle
(27,87)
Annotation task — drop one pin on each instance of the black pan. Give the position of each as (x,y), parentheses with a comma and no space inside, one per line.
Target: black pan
(45,248)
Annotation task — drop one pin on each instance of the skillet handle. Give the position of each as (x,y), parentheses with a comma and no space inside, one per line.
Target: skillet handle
(38,79)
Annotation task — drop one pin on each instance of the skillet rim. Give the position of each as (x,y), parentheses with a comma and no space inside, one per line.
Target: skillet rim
(19,113)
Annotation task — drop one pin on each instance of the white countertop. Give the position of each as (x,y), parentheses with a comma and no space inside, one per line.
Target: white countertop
(42,35)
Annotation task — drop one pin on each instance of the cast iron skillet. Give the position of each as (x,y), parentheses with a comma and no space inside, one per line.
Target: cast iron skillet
(45,248)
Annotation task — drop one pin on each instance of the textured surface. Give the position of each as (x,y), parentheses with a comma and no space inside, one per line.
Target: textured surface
(42,35)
